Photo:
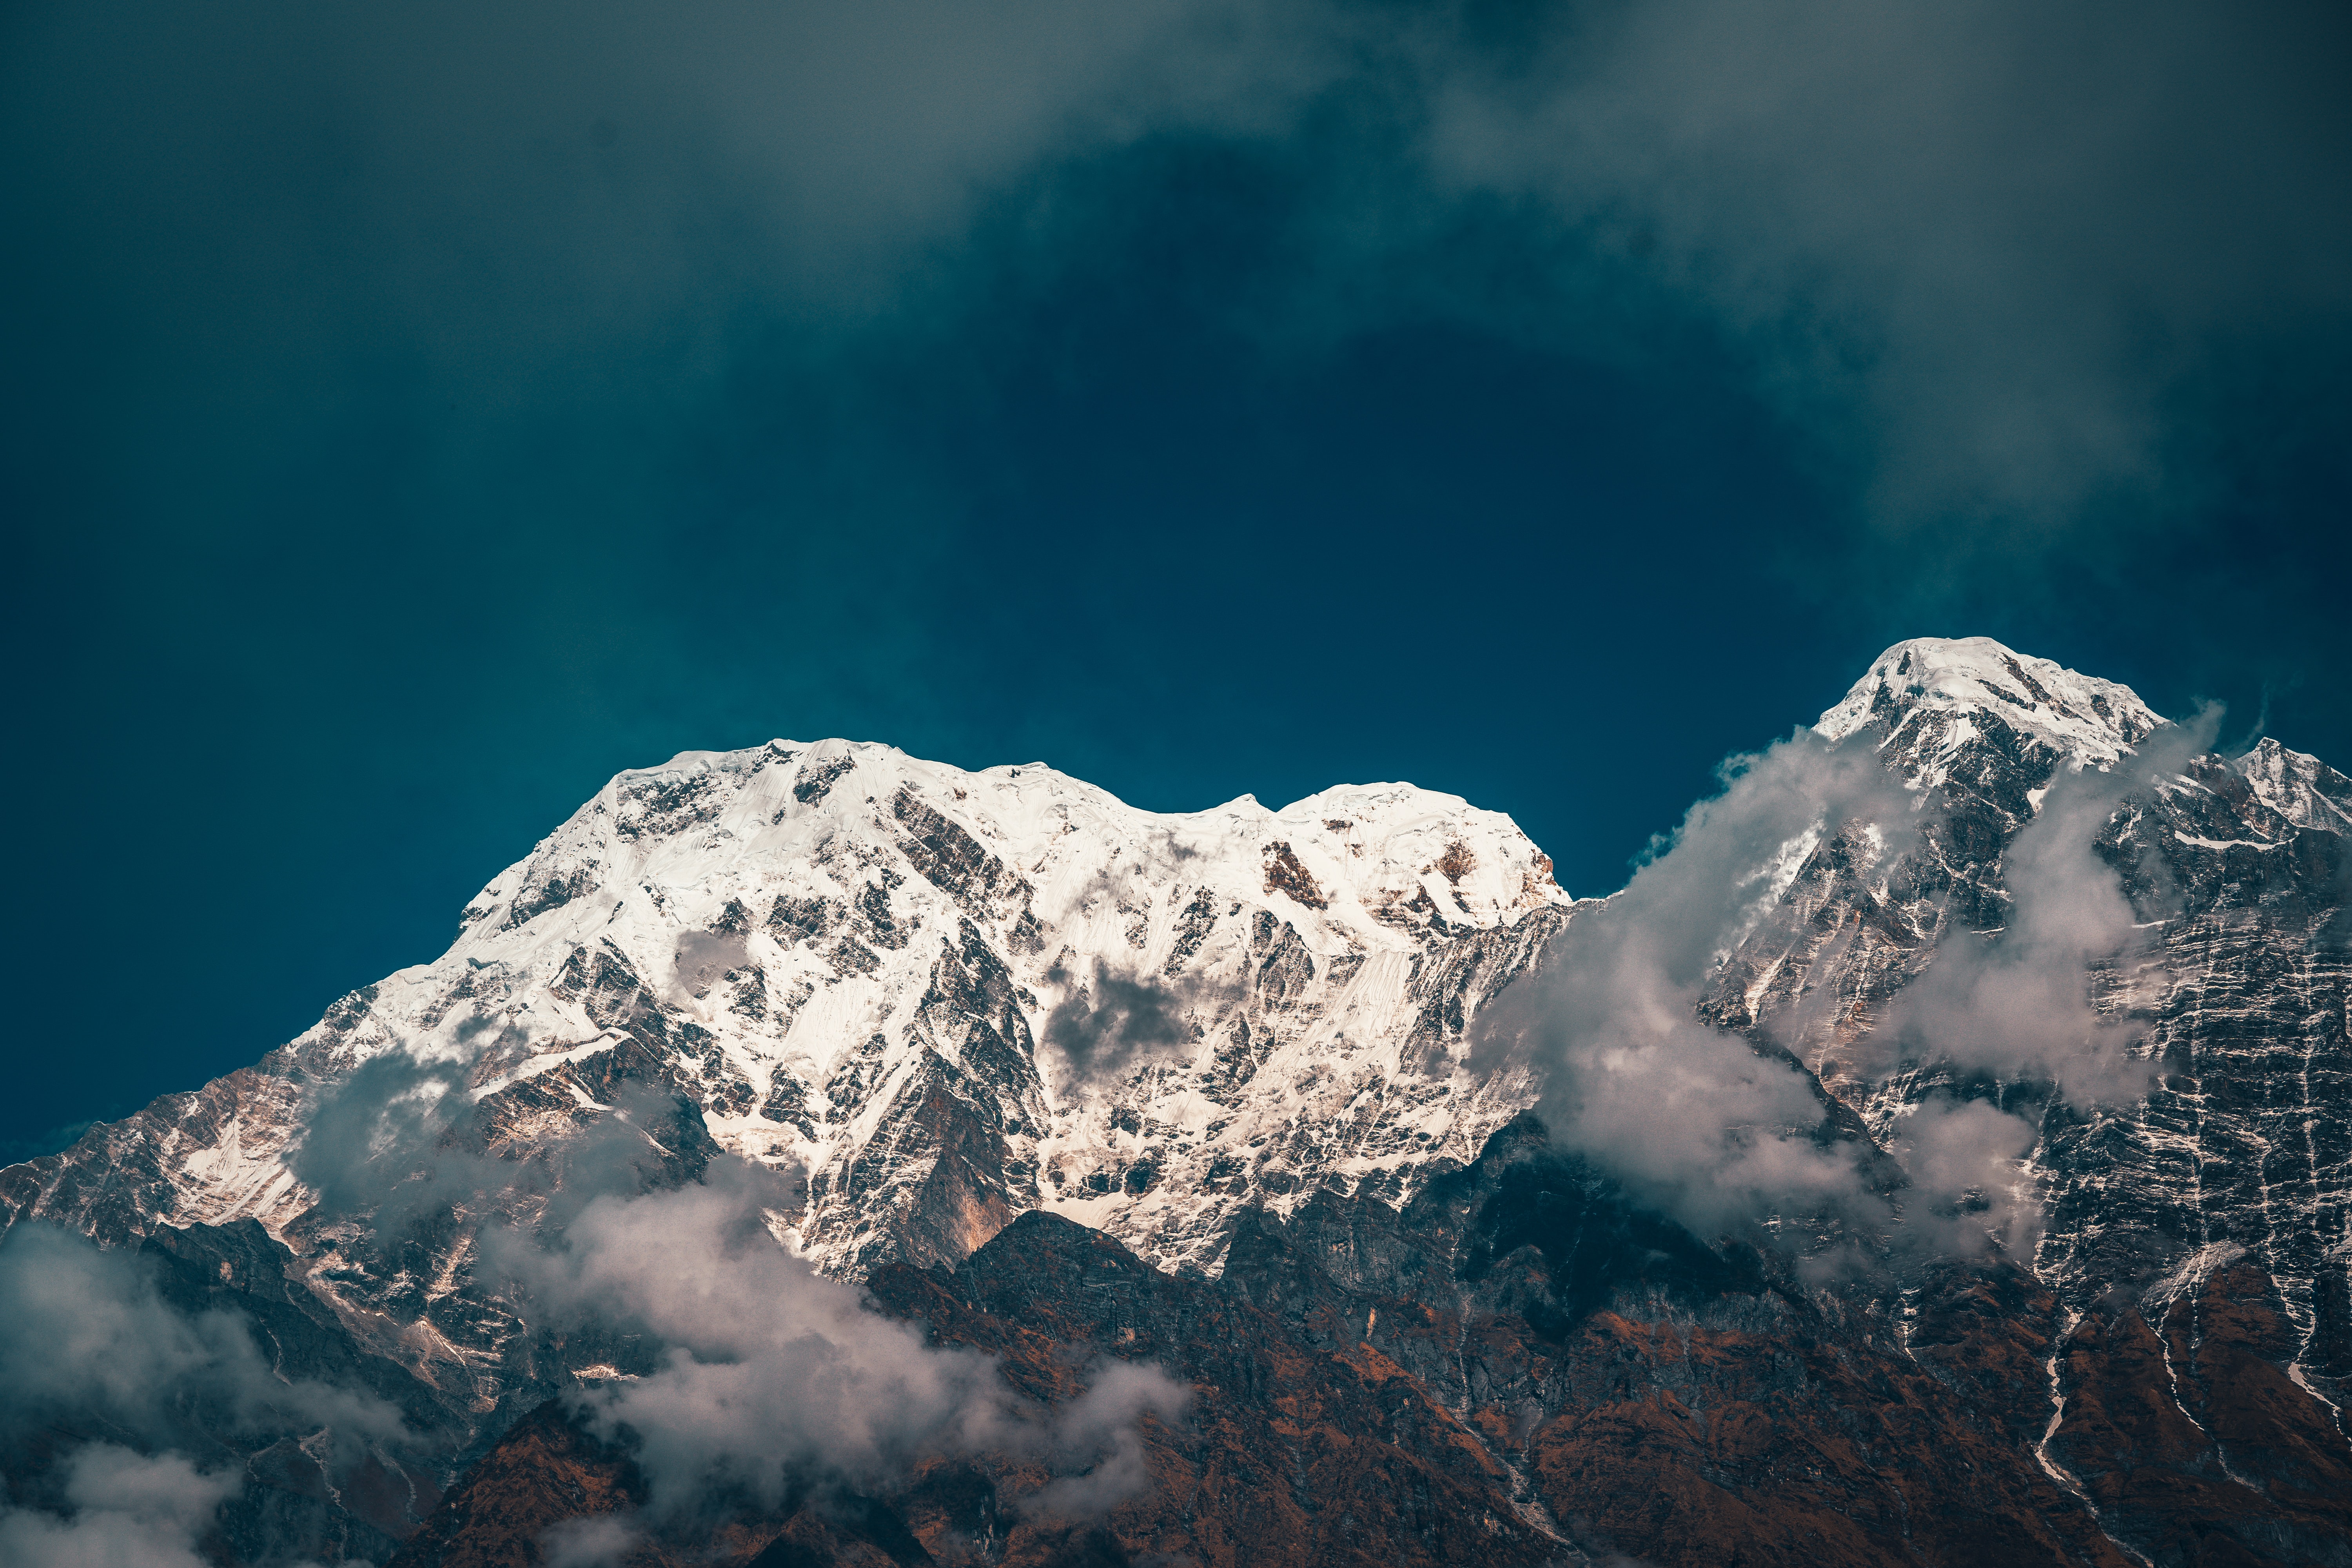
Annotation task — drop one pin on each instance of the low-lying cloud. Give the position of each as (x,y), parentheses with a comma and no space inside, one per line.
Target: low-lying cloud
(1963,1158)
(85,1336)
(120,1509)
(2015,1002)
(147,1402)
(766,1378)
(1702,1123)
(403,1138)
(771,1371)
(772,1376)
(1722,1130)
(1096,1444)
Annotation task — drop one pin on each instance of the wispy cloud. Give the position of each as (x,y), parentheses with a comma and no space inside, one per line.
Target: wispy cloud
(774,1377)
(120,1414)
(1700,1120)
(1723,1130)
(767,1378)
(2015,1002)
(119,1507)
(1111,1023)
(1997,262)
(85,1333)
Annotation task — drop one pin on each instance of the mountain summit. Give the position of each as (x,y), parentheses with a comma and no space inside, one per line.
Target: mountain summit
(1942,685)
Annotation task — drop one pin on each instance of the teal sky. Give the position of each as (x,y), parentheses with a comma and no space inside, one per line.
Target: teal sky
(415,418)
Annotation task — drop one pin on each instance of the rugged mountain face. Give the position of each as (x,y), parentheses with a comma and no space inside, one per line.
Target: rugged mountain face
(1517,1366)
(2232,1147)
(950,998)
(1236,1046)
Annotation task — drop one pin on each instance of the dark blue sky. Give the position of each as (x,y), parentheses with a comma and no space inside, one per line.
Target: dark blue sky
(415,418)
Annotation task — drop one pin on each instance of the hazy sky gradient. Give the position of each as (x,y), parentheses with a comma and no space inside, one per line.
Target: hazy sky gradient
(421,412)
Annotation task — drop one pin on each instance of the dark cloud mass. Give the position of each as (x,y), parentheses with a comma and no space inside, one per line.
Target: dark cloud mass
(124,1508)
(2002,257)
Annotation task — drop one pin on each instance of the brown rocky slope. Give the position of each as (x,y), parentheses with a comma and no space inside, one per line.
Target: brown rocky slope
(1522,1367)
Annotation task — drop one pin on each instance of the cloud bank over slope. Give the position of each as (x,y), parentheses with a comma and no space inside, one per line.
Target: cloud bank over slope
(1728,1130)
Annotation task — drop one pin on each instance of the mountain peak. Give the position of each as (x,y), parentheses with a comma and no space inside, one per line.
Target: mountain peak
(2093,722)
(1150,1020)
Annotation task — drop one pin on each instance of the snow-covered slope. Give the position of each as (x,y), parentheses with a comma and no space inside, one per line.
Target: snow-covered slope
(948,997)
(951,997)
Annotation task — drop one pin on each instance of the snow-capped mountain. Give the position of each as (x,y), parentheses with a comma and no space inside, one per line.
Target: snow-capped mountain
(950,996)
(1928,695)
(1239,1042)
(2227,1138)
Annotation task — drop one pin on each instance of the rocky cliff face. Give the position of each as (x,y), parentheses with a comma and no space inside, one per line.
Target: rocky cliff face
(2220,1138)
(2191,1203)
(1515,1367)
(1238,1046)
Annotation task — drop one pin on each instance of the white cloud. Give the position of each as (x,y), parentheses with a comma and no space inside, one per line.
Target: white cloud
(122,1509)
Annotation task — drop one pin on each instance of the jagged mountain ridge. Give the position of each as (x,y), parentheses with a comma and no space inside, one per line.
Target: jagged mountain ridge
(852,961)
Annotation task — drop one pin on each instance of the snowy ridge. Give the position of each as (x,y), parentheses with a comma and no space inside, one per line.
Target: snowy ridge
(2304,790)
(2232,994)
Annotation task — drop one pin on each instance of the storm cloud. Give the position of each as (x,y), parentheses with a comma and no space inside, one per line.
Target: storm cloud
(2001,260)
